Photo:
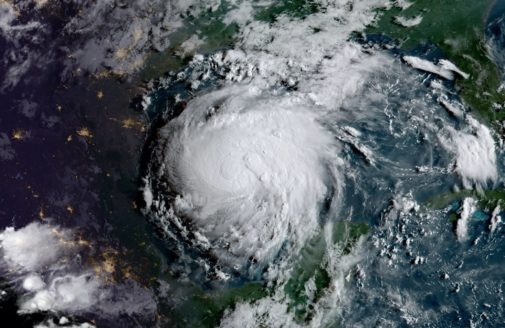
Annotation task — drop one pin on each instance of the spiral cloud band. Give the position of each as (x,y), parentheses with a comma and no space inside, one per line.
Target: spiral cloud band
(250,172)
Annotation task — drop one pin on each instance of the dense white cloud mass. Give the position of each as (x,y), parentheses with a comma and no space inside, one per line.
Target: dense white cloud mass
(253,166)
(475,152)
(32,247)
(251,170)
(444,68)
(244,169)
(38,255)
(68,293)
(43,260)
(495,220)
(468,207)
(33,282)
(408,22)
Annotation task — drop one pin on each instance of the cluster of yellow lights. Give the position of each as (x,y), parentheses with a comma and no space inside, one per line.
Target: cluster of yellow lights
(12,5)
(18,134)
(121,53)
(65,241)
(41,3)
(62,238)
(104,268)
(132,123)
(107,266)
(103,74)
(84,132)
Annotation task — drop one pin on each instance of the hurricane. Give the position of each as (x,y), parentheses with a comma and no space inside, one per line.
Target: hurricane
(237,163)
(270,160)
(251,172)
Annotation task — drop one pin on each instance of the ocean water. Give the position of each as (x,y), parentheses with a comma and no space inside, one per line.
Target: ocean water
(400,157)
(268,164)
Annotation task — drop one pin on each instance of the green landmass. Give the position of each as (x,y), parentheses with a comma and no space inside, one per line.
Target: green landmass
(205,308)
(488,199)
(458,29)
(209,27)
(216,35)
(293,8)
(311,265)
(455,27)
